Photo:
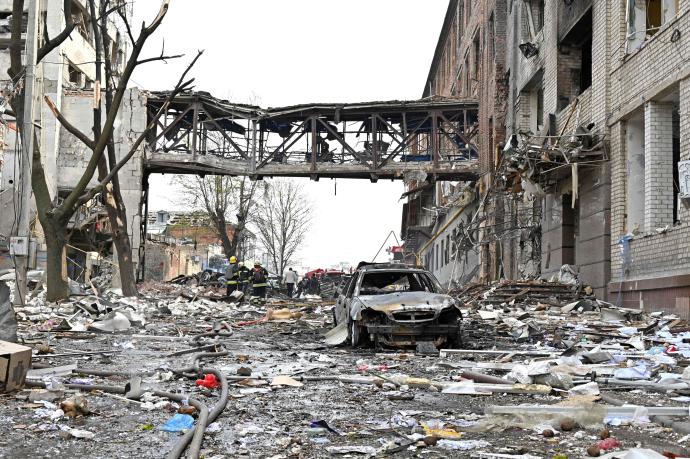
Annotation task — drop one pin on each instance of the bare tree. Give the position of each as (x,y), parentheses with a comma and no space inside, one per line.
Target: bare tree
(282,221)
(54,216)
(221,198)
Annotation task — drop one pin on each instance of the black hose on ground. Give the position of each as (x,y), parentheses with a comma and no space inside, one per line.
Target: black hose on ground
(194,437)
(194,448)
(222,329)
(191,438)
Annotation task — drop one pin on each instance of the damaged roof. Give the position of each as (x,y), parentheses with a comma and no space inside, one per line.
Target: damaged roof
(358,111)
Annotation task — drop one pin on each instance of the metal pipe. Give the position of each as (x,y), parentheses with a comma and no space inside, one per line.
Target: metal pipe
(105,373)
(482,378)
(647,385)
(610,410)
(681,427)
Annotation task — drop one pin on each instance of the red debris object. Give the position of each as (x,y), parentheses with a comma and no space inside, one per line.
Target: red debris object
(364,368)
(609,443)
(209,381)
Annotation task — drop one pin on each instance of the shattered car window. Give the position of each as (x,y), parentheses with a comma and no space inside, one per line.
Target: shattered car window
(380,283)
(435,284)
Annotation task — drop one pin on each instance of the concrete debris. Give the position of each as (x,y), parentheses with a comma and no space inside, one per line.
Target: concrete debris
(533,375)
(8,321)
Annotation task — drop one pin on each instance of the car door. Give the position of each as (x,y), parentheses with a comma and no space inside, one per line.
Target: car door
(342,304)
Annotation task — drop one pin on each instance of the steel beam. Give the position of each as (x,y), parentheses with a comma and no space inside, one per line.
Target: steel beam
(195,128)
(177,119)
(225,135)
(344,143)
(300,129)
(434,138)
(313,143)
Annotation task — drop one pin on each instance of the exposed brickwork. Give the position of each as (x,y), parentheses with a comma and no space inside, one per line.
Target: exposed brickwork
(658,180)
(684,112)
(649,82)
(654,80)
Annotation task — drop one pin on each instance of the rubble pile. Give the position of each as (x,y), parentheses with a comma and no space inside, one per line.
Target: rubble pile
(534,164)
(203,278)
(543,371)
(518,292)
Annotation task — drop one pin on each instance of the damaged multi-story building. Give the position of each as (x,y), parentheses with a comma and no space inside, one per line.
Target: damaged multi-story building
(67,77)
(538,71)
(582,134)
(649,124)
(187,243)
(555,155)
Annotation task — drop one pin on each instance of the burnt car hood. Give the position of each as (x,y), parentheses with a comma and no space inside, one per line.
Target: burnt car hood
(400,301)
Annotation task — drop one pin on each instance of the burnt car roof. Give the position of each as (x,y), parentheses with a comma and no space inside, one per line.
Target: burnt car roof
(389,267)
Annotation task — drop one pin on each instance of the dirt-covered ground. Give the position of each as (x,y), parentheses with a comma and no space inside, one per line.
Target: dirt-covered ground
(261,420)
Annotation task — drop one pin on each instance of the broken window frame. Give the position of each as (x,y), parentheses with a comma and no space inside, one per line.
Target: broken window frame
(82,21)
(667,11)
(381,280)
(74,75)
(533,27)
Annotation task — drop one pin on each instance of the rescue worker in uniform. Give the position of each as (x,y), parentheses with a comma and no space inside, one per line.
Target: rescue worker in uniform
(259,281)
(302,286)
(232,276)
(244,277)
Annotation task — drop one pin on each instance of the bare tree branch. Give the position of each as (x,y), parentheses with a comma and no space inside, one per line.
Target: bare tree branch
(179,87)
(72,201)
(159,58)
(72,129)
(51,44)
(123,16)
(282,222)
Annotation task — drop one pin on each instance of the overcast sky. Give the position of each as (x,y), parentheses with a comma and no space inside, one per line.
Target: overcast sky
(283,52)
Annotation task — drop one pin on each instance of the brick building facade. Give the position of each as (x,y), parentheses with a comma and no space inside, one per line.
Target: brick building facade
(649,125)
(551,71)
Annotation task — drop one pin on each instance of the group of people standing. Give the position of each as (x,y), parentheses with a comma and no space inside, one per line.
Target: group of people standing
(307,285)
(239,277)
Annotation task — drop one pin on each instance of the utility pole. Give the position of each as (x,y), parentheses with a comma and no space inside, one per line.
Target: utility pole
(27,129)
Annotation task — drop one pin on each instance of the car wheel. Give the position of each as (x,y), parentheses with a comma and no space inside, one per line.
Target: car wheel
(335,318)
(355,333)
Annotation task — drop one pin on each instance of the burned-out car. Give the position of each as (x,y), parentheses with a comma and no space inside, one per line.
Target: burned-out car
(396,305)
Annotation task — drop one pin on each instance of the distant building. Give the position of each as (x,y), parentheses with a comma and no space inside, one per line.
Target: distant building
(186,243)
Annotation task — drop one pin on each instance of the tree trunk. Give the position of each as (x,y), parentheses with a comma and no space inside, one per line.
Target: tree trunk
(225,241)
(56,262)
(117,214)
(236,236)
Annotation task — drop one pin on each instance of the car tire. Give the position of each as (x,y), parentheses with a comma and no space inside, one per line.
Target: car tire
(335,318)
(355,333)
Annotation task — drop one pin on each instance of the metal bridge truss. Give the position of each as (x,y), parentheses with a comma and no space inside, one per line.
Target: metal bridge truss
(203,135)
